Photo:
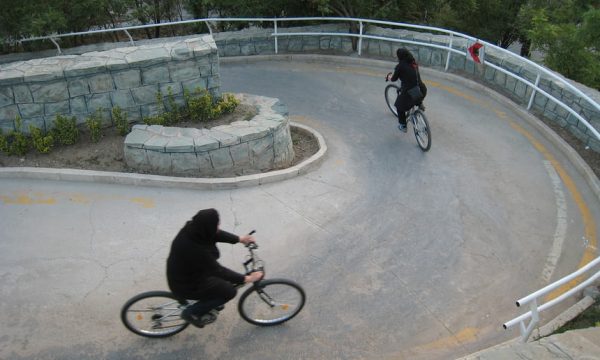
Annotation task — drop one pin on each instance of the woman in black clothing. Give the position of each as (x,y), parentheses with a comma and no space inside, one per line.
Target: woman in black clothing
(407,71)
(194,273)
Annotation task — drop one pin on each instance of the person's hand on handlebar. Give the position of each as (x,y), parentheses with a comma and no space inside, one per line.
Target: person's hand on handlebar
(254,277)
(247,239)
(387,77)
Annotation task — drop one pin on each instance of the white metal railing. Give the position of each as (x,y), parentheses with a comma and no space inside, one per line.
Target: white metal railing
(361,35)
(532,299)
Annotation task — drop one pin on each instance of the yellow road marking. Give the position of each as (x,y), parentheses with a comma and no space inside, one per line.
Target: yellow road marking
(466,335)
(37,198)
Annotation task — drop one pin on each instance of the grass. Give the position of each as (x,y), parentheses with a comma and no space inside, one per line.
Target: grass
(589,318)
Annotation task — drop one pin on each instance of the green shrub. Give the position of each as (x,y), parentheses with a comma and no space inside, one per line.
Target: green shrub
(65,130)
(94,124)
(174,113)
(42,143)
(199,105)
(17,143)
(3,142)
(158,119)
(120,120)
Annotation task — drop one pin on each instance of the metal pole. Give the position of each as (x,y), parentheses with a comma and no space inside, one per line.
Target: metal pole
(449,52)
(360,38)
(275,27)
(129,36)
(533,92)
(57,46)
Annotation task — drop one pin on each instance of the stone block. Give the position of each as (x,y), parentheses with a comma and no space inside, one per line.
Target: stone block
(98,101)
(241,155)
(185,164)
(155,75)
(127,79)
(183,70)
(143,57)
(180,145)
(265,47)
(231,50)
(214,82)
(156,143)
(205,143)
(145,94)
(224,139)
(204,66)
(159,162)
(295,44)
(78,87)
(78,105)
(85,67)
(37,122)
(193,84)
(176,88)
(11,77)
(122,99)
(181,52)
(150,110)
(204,163)
(262,152)
(22,94)
(9,112)
(50,92)
(61,107)
(7,125)
(247,48)
(101,83)
(136,158)
(221,159)
(6,96)
(137,137)
(31,110)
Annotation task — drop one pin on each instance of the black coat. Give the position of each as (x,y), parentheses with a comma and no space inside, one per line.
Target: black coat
(194,254)
(409,77)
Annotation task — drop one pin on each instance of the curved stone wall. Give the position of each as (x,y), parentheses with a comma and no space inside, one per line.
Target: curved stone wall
(130,78)
(240,148)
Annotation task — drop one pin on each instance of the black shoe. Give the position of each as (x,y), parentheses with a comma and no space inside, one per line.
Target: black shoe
(201,321)
(402,127)
(220,308)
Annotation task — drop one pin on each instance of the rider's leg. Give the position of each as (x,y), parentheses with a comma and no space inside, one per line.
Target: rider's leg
(216,293)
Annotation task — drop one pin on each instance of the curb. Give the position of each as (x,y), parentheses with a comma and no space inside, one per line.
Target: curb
(108,177)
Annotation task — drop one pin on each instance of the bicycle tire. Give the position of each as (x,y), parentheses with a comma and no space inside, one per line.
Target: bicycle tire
(287,300)
(422,130)
(391,93)
(153,314)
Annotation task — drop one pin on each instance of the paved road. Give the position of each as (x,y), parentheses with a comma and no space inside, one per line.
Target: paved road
(402,254)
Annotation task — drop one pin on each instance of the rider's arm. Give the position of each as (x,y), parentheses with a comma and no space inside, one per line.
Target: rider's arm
(396,74)
(227,237)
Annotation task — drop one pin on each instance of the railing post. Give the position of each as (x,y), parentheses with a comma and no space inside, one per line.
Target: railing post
(57,46)
(449,52)
(533,92)
(129,36)
(275,27)
(360,38)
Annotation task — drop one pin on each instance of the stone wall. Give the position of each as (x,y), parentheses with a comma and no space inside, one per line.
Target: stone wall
(260,42)
(130,78)
(241,148)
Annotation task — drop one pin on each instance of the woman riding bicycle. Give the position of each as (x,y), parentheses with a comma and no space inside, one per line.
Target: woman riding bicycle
(193,271)
(407,71)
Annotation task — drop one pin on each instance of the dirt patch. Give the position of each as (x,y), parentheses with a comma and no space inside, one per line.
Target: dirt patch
(107,153)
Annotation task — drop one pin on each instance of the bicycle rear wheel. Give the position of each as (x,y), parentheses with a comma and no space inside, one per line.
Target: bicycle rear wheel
(154,314)
(271,302)
(422,130)
(391,93)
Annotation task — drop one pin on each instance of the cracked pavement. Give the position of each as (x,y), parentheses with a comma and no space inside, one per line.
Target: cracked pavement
(402,254)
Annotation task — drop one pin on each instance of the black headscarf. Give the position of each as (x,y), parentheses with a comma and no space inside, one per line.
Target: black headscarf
(203,226)
(405,56)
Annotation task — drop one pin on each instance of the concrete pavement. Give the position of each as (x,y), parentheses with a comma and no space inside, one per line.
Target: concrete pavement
(403,255)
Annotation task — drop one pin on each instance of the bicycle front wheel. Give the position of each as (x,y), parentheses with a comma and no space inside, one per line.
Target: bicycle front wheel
(271,302)
(422,130)
(391,93)
(154,314)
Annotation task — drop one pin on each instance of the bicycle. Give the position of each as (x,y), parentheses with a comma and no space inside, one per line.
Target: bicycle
(157,314)
(416,115)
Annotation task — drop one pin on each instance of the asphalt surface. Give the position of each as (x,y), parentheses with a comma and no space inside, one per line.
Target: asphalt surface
(402,254)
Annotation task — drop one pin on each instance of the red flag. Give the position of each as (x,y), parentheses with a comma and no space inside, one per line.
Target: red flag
(474,51)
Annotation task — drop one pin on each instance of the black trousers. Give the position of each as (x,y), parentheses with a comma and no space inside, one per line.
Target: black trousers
(403,104)
(213,292)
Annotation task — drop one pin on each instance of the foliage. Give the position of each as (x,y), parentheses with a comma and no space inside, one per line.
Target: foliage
(94,124)
(569,35)
(199,104)
(65,130)
(121,121)
(17,143)
(42,143)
